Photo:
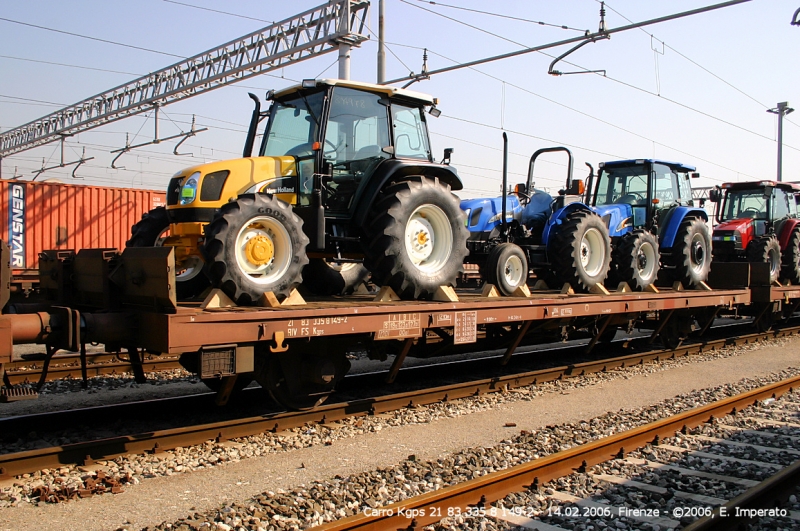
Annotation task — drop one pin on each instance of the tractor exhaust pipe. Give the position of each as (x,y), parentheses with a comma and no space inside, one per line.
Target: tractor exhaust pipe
(504,225)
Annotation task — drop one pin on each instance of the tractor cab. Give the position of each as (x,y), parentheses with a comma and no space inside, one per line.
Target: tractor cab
(342,131)
(640,193)
(749,211)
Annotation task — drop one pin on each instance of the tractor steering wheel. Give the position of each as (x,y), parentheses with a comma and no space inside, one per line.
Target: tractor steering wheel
(631,197)
(751,212)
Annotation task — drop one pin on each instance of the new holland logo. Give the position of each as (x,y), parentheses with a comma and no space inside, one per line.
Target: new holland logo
(16,224)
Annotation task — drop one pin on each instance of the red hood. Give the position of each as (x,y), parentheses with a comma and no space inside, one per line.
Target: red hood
(740,225)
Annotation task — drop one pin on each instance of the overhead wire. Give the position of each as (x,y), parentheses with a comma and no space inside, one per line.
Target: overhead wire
(500,15)
(604,75)
(107,41)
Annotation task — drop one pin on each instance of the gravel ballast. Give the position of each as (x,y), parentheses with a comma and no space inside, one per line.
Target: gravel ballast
(367,445)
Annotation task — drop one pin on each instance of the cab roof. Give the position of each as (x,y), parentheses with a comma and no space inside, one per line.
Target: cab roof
(390,91)
(677,166)
(751,185)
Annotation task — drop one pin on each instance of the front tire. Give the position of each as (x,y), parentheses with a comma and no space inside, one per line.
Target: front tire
(254,245)
(507,268)
(151,231)
(691,253)
(791,258)
(417,238)
(766,250)
(635,260)
(580,252)
(329,278)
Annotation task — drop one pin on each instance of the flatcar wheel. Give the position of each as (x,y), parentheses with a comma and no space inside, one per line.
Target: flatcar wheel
(301,380)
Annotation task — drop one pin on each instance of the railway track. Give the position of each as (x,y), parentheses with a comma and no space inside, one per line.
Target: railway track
(65,366)
(86,453)
(751,457)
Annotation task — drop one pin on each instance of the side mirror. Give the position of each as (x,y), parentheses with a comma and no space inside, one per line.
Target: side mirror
(695,175)
(714,195)
(447,153)
(577,187)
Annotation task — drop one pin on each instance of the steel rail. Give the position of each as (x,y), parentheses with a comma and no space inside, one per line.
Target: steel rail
(477,493)
(762,496)
(86,453)
(29,371)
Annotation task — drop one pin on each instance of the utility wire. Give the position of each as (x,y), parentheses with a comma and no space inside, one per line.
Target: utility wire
(67,65)
(560,26)
(220,12)
(91,38)
(607,77)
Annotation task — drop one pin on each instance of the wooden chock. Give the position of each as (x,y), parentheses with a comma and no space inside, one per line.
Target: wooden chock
(651,288)
(541,285)
(445,294)
(386,294)
(217,299)
(269,300)
(522,291)
(677,286)
(599,289)
(362,289)
(624,287)
(294,299)
(566,289)
(489,290)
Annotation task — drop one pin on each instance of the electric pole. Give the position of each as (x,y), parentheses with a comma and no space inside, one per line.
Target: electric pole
(381,44)
(781,110)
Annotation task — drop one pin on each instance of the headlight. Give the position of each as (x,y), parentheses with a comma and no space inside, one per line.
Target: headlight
(189,189)
(627,222)
(466,219)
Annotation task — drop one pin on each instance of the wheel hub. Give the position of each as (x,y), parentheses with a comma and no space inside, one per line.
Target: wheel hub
(641,261)
(259,250)
(698,253)
(420,235)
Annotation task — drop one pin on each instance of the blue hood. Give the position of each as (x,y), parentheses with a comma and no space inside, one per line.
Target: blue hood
(484,215)
(613,215)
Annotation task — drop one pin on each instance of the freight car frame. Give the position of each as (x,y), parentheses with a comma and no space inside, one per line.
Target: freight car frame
(127,301)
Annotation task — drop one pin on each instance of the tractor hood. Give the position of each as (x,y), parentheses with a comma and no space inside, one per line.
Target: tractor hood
(484,215)
(617,217)
(734,225)
(211,185)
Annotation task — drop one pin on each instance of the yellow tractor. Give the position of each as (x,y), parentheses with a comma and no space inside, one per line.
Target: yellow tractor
(343,185)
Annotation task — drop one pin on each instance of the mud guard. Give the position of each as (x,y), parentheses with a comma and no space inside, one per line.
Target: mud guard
(787,227)
(558,217)
(672,222)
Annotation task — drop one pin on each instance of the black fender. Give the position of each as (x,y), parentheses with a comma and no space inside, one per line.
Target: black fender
(394,170)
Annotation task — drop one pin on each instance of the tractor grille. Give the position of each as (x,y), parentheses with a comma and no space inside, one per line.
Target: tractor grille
(212,185)
(174,190)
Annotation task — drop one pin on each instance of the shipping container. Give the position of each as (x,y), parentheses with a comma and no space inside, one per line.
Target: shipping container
(48,215)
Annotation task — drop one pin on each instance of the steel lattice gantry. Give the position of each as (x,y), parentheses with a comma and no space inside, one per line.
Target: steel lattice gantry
(314,32)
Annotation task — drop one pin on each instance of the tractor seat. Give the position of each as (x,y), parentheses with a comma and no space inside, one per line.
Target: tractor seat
(630,199)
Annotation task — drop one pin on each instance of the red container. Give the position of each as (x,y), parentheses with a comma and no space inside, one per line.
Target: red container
(42,216)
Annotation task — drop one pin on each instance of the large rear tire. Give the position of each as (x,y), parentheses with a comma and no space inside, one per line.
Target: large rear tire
(507,268)
(580,252)
(635,260)
(329,278)
(417,239)
(255,244)
(151,231)
(691,253)
(766,250)
(791,258)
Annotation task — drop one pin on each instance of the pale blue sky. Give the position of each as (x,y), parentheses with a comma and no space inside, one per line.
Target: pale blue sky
(700,99)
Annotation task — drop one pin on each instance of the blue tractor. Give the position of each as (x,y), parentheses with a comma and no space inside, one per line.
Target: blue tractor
(657,232)
(560,237)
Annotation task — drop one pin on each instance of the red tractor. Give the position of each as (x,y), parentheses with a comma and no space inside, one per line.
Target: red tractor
(758,222)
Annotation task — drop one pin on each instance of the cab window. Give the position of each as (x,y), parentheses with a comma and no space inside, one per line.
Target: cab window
(410,133)
(664,186)
(780,204)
